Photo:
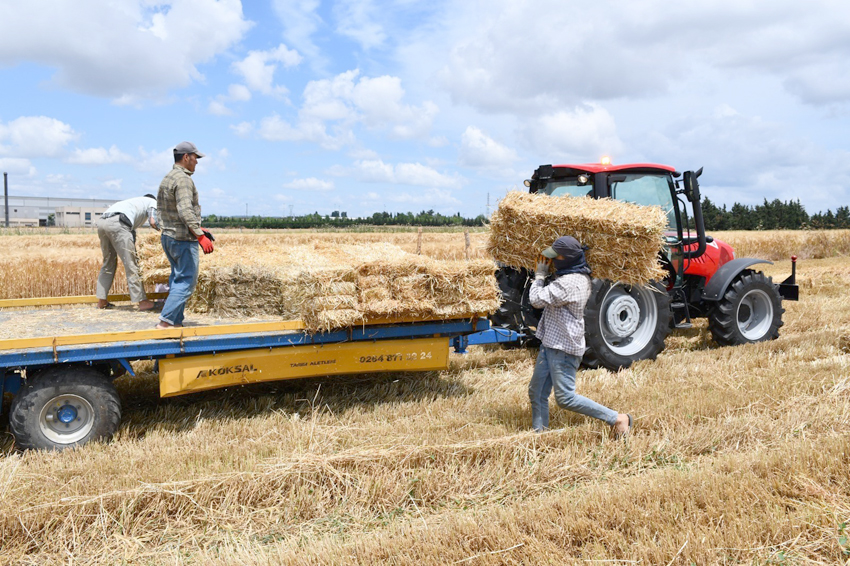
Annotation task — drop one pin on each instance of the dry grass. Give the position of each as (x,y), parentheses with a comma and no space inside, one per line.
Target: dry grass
(740,455)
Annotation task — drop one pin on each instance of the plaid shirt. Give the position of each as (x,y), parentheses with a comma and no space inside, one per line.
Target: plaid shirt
(562,325)
(177,205)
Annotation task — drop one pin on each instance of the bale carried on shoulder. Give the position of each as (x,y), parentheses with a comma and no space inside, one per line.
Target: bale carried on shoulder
(624,238)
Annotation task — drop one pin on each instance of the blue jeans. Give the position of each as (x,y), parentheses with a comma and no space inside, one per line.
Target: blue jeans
(183,257)
(555,368)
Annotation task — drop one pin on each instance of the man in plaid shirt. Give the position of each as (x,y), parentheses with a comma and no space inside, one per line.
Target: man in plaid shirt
(180,219)
(561,335)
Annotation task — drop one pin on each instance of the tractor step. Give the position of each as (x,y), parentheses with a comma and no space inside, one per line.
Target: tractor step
(684,325)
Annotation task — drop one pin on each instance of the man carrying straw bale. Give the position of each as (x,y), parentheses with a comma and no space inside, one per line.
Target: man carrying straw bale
(561,335)
(116,230)
(180,214)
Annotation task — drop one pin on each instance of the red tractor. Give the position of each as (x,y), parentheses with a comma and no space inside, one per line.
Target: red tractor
(626,323)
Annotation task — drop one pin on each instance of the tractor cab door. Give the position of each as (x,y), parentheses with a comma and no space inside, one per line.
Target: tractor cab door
(653,189)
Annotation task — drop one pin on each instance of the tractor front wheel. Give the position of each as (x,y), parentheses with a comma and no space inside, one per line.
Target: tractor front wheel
(750,311)
(625,323)
(64,406)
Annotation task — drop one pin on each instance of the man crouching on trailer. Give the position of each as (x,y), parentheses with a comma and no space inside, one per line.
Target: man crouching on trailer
(116,230)
(561,335)
(180,215)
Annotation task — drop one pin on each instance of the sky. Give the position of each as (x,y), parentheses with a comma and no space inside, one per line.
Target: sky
(365,106)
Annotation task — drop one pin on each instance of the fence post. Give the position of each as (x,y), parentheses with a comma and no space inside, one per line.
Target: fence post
(6,196)
(419,242)
(466,247)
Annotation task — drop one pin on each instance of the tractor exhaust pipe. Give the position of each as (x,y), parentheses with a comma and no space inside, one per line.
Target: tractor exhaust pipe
(692,193)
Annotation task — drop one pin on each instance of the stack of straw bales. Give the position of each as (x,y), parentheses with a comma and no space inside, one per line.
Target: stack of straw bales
(330,285)
(624,238)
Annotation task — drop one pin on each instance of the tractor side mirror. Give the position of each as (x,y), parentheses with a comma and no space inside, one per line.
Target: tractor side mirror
(692,185)
(545,172)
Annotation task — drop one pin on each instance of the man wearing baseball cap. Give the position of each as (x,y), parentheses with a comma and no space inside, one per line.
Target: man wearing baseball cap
(561,335)
(180,219)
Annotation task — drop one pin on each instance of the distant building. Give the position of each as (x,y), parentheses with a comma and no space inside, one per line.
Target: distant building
(67,212)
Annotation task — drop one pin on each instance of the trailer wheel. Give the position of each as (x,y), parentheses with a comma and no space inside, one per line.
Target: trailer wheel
(625,323)
(63,407)
(750,311)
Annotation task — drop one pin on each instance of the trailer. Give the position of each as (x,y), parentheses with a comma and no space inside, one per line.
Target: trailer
(62,388)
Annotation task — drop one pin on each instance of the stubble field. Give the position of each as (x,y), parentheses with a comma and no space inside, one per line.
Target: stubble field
(739,455)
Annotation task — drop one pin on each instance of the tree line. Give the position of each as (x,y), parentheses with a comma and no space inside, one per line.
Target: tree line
(338,219)
(773,215)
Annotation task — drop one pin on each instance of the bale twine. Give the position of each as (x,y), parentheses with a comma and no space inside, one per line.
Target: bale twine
(624,238)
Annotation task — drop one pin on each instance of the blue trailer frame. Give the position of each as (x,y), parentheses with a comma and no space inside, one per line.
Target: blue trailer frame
(461,333)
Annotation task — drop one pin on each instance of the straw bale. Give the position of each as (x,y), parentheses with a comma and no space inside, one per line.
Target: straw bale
(331,284)
(624,238)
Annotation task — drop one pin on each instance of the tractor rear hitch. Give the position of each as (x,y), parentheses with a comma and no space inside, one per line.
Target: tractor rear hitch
(788,289)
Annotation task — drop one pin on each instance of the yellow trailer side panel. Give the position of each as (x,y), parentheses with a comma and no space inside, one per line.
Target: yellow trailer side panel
(198,373)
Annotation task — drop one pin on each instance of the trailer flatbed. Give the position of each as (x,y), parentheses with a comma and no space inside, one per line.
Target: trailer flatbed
(59,362)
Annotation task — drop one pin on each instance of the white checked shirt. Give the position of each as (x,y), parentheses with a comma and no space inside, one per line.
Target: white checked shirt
(562,325)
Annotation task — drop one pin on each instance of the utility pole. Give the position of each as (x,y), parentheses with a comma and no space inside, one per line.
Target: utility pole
(290,211)
(6,196)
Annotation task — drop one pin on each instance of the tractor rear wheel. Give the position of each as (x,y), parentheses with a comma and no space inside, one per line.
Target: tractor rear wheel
(625,323)
(750,311)
(64,406)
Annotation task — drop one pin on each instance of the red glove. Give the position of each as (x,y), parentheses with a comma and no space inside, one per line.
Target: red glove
(206,244)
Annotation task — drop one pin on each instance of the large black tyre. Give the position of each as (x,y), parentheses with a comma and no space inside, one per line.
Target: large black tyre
(750,311)
(625,323)
(64,406)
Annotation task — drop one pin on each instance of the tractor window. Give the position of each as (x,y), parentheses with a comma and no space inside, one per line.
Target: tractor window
(647,190)
(565,186)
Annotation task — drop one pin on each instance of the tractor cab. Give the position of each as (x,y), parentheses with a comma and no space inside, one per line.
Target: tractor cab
(646,184)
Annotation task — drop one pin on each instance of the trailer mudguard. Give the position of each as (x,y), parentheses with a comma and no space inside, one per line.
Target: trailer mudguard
(720,281)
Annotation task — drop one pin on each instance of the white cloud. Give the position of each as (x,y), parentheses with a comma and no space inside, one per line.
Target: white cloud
(159,162)
(98,156)
(17,166)
(376,171)
(259,67)
(300,21)
(274,128)
(339,103)
(496,56)
(438,198)
(310,184)
(235,93)
(36,136)
(585,131)
(113,184)
(356,20)
(126,50)
(478,150)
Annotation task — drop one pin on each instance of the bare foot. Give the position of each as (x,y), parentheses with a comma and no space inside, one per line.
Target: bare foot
(623,426)
(103,304)
(145,305)
(163,325)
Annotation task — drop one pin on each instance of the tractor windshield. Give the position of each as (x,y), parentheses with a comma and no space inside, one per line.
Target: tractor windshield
(648,190)
(565,186)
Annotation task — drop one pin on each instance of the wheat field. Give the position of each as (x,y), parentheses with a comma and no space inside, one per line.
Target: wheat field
(739,455)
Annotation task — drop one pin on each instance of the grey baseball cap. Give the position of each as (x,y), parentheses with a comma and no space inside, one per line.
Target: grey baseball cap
(187,147)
